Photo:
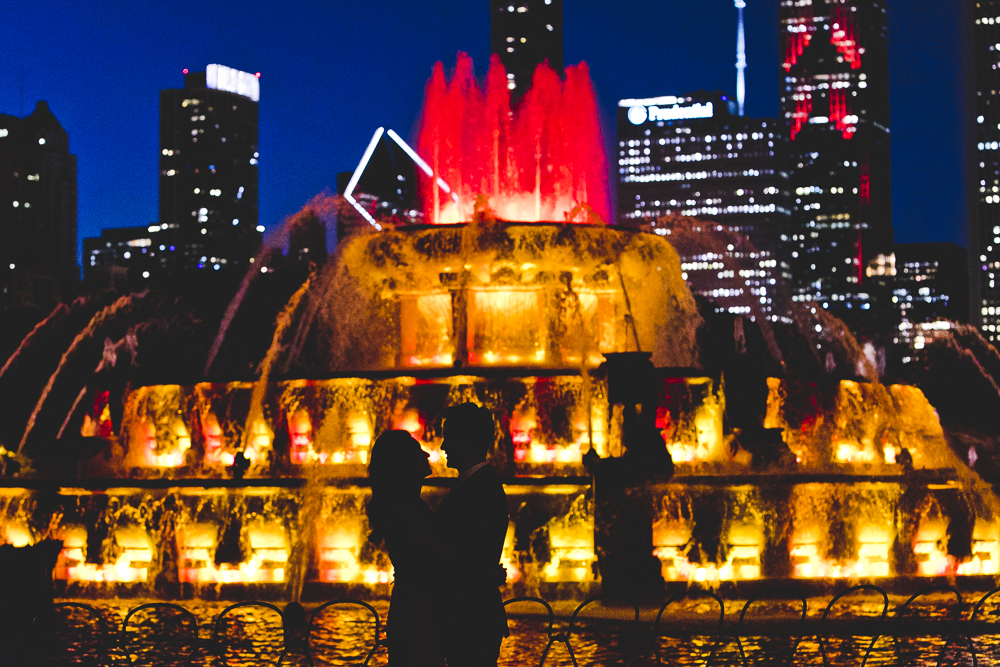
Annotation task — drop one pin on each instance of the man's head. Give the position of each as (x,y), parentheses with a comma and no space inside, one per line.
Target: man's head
(469,434)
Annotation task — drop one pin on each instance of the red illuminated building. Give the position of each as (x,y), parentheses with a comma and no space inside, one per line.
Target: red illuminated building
(835,104)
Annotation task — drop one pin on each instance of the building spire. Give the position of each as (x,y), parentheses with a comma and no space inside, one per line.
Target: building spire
(741,56)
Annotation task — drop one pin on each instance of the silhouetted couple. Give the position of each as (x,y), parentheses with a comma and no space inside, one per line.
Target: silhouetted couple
(446,604)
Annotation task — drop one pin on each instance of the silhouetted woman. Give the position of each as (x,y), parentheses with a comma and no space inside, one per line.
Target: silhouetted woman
(399,517)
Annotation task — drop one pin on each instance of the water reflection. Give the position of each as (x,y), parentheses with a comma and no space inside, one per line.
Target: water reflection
(161,634)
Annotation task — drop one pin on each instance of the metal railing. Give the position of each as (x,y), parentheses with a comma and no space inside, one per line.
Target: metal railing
(258,632)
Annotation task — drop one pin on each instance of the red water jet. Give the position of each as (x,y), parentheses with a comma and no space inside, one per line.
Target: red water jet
(538,160)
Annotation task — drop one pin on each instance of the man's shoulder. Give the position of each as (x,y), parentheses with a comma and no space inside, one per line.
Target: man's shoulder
(485,478)
(483,486)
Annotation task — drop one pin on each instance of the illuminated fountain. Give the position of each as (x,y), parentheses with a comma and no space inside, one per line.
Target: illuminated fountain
(256,486)
(538,161)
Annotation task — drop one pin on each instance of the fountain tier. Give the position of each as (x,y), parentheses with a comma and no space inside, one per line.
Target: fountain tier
(518,318)
(540,295)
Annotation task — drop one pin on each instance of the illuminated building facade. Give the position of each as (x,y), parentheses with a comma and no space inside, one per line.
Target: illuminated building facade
(987,59)
(526,33)
(383,187)
(125,255)
(692,156)
(208,172)
(835,105)
(37,210)
(930,287)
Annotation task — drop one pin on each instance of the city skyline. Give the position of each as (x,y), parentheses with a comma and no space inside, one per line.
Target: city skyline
(340,97)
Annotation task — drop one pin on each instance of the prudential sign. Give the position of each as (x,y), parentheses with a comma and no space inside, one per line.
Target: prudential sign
(640,113)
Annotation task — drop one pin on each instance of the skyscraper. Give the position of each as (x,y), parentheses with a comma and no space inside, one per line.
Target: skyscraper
(37,210)
(208,172)
(692,156)
(835,104)
(121,256)
(526,33)
(930,286)
(987,80)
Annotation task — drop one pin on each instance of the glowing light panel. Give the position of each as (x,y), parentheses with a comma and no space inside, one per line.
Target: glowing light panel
(220,77)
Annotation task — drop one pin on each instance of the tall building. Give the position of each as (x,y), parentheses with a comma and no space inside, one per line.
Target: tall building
(208,172)
(930,290)
(692,156)
(37,210)
(123,256)
(526,33)
(835,105)
(987,81)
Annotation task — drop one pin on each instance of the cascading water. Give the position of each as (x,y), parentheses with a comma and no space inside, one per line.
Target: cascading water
(99,319)
(323,206)
(60,311)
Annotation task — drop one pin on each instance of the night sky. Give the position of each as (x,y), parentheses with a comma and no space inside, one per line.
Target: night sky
(334,71)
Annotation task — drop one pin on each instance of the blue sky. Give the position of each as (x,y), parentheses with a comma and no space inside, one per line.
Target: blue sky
(334,71)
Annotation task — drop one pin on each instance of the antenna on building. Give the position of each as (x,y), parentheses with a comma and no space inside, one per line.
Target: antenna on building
(741,55)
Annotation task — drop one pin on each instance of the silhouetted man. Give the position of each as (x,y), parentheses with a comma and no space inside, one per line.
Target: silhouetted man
(473,518)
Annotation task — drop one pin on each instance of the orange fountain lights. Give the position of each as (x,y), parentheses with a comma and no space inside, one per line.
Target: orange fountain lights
(522,431)
(215,454)
(299,437)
